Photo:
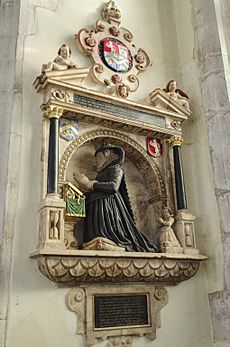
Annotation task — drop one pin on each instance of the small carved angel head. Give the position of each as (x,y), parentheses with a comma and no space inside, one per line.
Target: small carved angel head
(139,57)
(171,86)
(166,212)
(90,40)
(64,51)
(123,90)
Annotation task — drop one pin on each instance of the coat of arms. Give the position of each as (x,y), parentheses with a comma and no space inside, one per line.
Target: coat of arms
(115,55)
(68,129)
(116,59)
(155,146)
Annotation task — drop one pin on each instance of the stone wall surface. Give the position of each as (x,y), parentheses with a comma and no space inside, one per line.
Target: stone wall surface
(196,156)
(211,28)
(9,96)
(14,26)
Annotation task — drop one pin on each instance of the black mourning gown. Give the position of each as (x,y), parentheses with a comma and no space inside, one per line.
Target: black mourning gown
(108,214)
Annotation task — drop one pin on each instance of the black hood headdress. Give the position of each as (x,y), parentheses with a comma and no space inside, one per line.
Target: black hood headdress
(118,150)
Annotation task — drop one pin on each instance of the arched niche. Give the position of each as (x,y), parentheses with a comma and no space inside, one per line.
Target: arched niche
(144,180)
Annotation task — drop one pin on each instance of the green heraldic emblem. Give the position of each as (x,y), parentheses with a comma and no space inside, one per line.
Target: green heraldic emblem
(75,207)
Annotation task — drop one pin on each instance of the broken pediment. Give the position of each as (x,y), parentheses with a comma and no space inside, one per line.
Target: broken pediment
(160,99)
(70,77)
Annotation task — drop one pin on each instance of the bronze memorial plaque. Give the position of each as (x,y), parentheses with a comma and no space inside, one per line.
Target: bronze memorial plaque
(120,310)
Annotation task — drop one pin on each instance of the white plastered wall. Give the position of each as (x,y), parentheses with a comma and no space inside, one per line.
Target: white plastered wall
(37,314)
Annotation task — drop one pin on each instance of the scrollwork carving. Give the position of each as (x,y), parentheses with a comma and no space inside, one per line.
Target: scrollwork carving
(120,341)
(76,303)
(161,294)
(105,44)
(97,69)
(128,36)
(135,82)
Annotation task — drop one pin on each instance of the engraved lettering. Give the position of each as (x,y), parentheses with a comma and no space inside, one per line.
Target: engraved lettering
(106,107)
(123,310)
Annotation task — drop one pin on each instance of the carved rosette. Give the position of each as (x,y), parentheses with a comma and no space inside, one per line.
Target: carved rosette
(120,341)
(116,61)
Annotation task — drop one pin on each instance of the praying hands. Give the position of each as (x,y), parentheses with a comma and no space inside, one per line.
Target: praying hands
(83,181)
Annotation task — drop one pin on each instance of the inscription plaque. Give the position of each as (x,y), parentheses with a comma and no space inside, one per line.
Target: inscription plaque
(120,310)
(123,112)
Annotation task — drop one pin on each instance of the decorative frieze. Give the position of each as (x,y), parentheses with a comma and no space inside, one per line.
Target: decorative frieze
(97,108)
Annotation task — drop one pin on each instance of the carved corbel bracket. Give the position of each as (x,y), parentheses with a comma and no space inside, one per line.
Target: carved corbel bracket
(70,267)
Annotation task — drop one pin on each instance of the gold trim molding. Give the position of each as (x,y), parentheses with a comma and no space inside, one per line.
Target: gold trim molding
(176,140)
(54,112)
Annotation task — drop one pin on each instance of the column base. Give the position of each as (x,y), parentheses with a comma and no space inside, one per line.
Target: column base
(51,224)
(184,230)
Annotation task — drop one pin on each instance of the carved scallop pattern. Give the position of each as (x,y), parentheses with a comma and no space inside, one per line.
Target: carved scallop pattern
(80,270)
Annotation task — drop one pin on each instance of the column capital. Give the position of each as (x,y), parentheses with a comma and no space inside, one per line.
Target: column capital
(176,140)
(54,112)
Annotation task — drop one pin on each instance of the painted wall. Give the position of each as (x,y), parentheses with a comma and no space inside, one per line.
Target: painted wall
(37,314)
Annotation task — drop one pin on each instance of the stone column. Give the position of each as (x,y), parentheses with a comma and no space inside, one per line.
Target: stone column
(10,144)
(184,220)
(212,51)
(176,142)
(53,157)
(51,226)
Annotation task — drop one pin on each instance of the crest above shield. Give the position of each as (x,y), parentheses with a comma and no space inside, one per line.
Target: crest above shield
(116,61)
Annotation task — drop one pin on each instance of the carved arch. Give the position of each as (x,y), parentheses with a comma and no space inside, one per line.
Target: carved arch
(134,151)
